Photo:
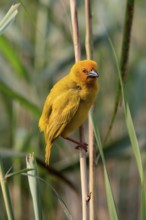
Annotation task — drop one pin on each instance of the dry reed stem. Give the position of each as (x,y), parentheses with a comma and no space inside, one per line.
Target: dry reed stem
(75,30)
(89,55)
(77,51)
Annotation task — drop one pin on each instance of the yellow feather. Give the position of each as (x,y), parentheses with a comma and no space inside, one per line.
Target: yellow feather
(67,105)
(48,152)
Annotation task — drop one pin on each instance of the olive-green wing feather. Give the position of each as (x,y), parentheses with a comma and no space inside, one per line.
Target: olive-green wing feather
(63,108)
(55,92)
(47,109)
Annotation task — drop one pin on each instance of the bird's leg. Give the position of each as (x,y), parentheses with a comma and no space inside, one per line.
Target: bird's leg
(79,145)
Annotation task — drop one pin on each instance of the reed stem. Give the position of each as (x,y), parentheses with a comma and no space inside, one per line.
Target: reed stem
(5,192)
(77,51)
(89,55)
(124,61)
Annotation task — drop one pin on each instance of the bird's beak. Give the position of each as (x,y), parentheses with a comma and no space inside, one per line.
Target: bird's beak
(93,74)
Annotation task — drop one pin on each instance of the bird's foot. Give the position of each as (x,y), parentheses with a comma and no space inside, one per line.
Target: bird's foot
(83,146)
(79,144)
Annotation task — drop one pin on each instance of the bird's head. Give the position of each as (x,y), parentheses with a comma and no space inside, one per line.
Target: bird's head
(85,71)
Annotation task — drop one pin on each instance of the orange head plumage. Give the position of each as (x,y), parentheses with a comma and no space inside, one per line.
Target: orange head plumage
(84,71)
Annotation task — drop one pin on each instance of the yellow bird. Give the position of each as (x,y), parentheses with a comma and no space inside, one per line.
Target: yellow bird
(67,105)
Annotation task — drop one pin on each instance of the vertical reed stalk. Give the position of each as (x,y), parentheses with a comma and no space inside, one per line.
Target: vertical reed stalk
(129,13)
(5,192)
(77,51)
(75,29)
(89,55)
(89,35)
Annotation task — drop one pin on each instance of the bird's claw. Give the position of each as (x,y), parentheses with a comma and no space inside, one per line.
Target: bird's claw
(83,146)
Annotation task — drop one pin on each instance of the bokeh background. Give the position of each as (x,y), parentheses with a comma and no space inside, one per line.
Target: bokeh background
(36,51)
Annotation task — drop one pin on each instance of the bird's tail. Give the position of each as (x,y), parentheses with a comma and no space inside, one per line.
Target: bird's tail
(48,151)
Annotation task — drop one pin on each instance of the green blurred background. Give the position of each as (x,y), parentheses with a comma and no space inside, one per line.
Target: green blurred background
(36,51)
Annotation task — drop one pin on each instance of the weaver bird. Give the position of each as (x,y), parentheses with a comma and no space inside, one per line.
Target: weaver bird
(67,105)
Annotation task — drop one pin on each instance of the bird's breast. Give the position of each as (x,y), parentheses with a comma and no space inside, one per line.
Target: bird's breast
(87,98)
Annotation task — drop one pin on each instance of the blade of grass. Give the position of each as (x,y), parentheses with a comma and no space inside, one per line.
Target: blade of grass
(128,120)
(33,175)
(36,177)
(34,186)
(57,173)
(132,135)
(13,58)
(109,195)
(5,192)
(9,17)
(110,199)
(62,203)
(129,14)
(28,104)
(8,175)
(143,202)
(134,141)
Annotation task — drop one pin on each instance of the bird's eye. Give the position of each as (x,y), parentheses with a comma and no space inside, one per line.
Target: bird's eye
(84,70)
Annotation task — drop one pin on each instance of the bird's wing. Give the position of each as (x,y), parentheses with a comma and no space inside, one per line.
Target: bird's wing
(64,108)
(47,109)
(45,113)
